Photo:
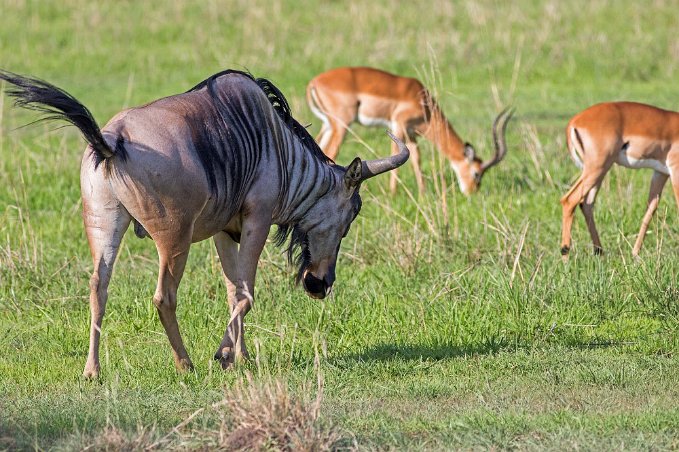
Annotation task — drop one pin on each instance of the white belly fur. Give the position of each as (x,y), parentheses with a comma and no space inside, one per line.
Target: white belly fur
(631,162)
(372,122)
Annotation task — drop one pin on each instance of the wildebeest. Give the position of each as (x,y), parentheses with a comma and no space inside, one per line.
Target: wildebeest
(226,160)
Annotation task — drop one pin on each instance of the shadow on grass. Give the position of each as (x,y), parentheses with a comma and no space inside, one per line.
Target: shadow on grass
(9,436)
(437,352)
(421,352)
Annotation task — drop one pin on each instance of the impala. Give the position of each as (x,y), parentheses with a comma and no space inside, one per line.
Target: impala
(630,134)
(373,97)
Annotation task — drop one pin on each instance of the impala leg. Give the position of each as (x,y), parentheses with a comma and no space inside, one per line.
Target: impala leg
(587,207)
(582,193)
(253,237)
(415,160)
(338,130)
(105,228)
(324,135)
(569,202)
(657,184)
(674,176)
(393,174)
(173,251)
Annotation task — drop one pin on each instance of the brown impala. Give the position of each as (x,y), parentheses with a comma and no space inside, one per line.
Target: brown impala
(629,134)
(376,98)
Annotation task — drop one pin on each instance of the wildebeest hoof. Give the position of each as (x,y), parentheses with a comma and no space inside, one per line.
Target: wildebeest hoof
(226,357)
(91,373)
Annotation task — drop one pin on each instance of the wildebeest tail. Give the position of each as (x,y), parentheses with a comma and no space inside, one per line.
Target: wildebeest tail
(38,95)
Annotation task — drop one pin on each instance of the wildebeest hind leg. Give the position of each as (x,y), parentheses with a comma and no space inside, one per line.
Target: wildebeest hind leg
(105,224)
(173,251)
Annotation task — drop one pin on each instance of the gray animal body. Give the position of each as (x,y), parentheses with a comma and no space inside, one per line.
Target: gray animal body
(226,161)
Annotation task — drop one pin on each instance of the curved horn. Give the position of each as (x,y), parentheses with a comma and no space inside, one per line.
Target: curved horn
(499,138)
(372,168)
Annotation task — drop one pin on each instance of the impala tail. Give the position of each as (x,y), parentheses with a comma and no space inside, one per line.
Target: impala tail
(55,103)
(315,105)
(575,147)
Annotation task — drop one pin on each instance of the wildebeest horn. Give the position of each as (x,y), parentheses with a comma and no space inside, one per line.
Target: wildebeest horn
(499,138)
(372,168)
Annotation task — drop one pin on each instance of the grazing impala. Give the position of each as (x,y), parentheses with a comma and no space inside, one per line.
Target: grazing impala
(629,134)
(372,97)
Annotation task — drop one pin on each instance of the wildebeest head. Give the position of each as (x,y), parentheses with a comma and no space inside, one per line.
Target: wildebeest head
(319,234)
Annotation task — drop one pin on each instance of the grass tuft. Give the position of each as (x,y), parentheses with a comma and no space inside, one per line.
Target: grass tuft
(253,415)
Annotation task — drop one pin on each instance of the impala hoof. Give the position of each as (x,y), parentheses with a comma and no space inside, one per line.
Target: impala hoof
(184,365)
(598,251)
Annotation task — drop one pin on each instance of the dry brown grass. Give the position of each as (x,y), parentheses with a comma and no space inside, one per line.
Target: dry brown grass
(115,439)
(269,417)
(252,416)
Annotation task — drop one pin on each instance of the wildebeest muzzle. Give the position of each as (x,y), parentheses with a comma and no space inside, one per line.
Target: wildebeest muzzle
(318,288)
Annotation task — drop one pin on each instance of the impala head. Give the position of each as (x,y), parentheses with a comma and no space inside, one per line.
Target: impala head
(319,234)
(471,169)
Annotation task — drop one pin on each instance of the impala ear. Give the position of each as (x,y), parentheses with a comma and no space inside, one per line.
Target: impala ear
(469,152)
(353,176)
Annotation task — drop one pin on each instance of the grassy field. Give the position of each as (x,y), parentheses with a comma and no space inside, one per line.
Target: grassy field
(454,323)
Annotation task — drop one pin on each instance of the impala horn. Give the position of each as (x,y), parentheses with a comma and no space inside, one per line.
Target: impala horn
(499,138)
(372,168)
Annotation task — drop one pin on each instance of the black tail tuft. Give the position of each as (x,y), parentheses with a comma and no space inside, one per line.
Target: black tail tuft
(38,95)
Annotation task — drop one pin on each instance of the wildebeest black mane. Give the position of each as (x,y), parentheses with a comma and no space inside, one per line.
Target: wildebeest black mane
(297,250)
(279,104)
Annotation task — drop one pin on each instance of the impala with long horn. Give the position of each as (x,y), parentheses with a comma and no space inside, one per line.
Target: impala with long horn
(224,160)
(373,97)
(630,134)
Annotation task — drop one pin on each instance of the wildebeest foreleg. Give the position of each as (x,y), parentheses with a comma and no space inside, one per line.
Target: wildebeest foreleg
(173,252)
(227,249)
(253,238)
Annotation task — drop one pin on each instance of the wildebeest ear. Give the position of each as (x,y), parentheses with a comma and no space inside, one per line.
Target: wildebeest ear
(352,178)
(469,152)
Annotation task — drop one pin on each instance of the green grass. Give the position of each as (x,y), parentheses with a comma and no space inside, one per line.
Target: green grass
(454,323)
